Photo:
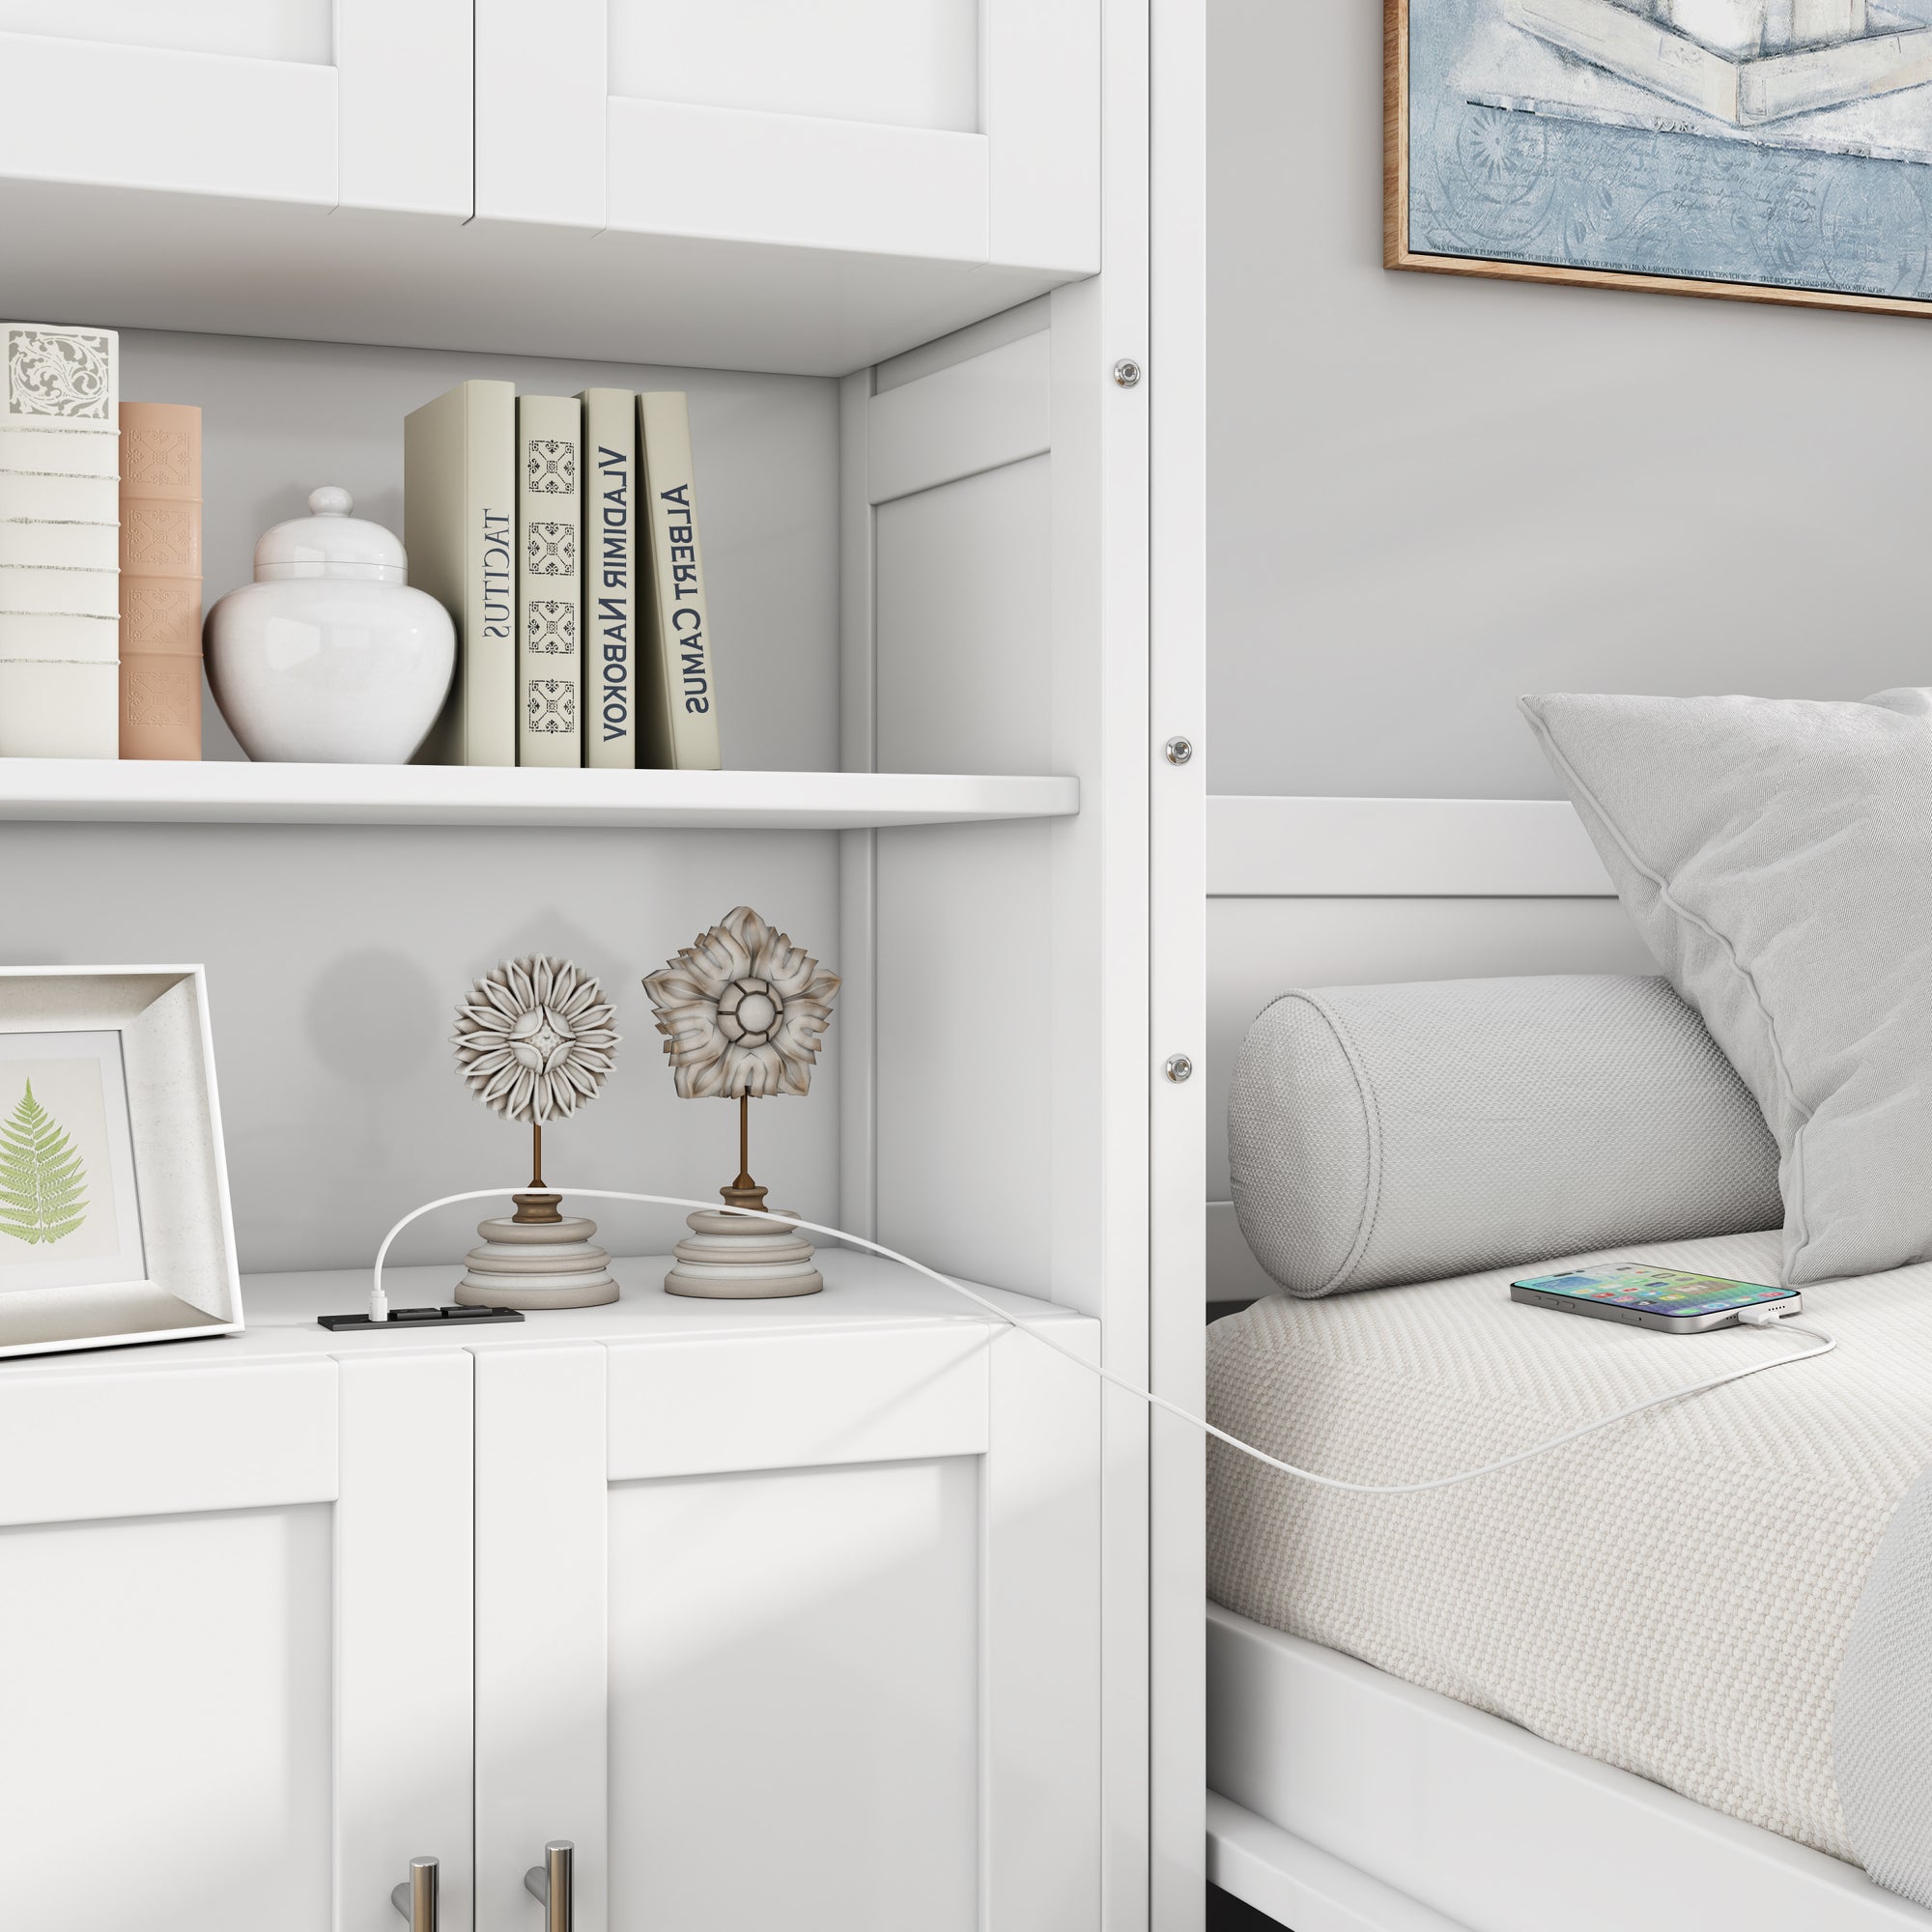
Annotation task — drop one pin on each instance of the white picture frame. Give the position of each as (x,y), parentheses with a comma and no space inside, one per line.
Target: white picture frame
(115,1223)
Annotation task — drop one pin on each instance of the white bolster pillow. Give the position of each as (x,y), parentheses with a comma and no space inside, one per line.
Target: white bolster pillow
(1385,1134)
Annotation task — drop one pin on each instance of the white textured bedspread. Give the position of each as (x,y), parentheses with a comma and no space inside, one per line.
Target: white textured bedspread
(1671,1595)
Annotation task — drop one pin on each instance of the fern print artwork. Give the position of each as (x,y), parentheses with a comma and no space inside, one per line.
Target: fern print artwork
(43,1177)
(70,1209)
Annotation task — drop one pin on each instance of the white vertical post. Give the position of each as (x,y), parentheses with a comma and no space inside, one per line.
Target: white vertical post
(404,1662)
(542,1627)
(1177,390)
(857,851)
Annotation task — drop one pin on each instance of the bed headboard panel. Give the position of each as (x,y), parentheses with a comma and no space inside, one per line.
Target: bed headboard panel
(1329,891)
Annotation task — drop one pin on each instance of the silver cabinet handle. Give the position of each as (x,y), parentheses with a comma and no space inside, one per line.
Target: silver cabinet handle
(549,1884)
(415,1897)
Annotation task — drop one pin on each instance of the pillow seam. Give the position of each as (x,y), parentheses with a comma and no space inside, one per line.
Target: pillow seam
(1372,1116)
(1569,773)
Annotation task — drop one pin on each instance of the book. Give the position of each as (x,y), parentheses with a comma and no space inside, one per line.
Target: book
(60,448)
(460,533)
(679,703)
(160,581)
(610,618)
(549,438)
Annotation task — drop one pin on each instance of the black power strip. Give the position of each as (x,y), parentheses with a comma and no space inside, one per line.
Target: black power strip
(419,1317)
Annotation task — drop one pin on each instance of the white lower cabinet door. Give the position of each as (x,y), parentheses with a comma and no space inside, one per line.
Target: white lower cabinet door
(234,1643)
(792,1631)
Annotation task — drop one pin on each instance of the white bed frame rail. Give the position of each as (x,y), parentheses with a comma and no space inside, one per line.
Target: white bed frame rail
(1347,1801)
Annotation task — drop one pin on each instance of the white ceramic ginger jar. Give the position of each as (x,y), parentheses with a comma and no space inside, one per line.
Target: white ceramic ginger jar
(329,658)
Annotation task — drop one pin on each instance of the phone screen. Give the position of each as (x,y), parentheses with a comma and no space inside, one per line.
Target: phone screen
(1656,1290)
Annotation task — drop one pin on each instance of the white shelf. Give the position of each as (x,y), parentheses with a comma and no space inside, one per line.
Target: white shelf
(244,794)
(229,266)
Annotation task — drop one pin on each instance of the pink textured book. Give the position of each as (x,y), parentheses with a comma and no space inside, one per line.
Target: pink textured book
(160,581)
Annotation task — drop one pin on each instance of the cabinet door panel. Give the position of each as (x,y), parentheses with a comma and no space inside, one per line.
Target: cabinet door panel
(794,1700)
(166,1754)
(365,104)
(901,63)
(933,130)
(852,1686)
(236,1606)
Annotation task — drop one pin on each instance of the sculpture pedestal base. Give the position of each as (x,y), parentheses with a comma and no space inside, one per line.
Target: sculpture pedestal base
(735,1258)
(537,1263)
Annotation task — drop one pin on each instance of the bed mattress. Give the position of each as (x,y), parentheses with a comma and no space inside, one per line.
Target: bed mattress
(1671,1596)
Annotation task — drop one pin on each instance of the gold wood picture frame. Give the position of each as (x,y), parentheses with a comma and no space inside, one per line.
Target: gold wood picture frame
(1596,142)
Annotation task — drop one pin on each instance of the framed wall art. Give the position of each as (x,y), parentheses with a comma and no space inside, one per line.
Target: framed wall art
(1763,150)
(114,1217)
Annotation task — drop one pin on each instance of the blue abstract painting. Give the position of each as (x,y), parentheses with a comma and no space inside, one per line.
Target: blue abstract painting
(1785,143)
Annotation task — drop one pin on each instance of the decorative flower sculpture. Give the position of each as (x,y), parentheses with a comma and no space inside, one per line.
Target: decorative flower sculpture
(743,1011)
(534,1039)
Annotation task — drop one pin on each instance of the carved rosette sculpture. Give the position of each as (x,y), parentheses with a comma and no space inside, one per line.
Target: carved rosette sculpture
(743,1012)
(534,1042)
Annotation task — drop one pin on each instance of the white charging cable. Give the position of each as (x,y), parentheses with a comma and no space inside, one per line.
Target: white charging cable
(1755,1317)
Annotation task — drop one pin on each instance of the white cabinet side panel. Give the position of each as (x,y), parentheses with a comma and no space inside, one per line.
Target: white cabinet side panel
(966,1151)
(900,63)
(165,1754)
(965,622)
(150,118)
(541,96)
(405,97)
(1042,110)
(542,1644)
(1044,1638)
(795,1700)
(404,1653)
(981,412)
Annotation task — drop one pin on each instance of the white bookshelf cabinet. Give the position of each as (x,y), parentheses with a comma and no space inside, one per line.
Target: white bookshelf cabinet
(856,1611)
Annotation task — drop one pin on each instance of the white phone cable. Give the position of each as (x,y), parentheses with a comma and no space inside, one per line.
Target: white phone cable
(378,1311)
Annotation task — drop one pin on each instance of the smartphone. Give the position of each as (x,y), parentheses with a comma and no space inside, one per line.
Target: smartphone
(1653,1298)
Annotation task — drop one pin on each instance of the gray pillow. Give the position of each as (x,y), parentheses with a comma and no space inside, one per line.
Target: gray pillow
(1382,1134)
(1777,856)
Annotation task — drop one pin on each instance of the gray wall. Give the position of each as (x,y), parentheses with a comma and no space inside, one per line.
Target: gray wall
(1427,492)
(336,954)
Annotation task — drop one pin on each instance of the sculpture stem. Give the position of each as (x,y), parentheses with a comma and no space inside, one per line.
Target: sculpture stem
(743,1179)
(536,1153)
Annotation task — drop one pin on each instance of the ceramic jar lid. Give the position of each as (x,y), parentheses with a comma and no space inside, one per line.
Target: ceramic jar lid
(331,543)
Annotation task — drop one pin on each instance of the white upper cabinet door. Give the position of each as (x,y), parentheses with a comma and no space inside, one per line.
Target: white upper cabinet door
(234,1605)
(350,104)
(948,130)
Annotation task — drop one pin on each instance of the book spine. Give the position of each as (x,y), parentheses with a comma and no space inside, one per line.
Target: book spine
(610,625)
(60,459)
(680,711)
(549,581)
(160,581)
(460,529)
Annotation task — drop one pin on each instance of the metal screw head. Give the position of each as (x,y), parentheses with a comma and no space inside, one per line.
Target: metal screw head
(1179,1067)
(1179,751)
(1127,372)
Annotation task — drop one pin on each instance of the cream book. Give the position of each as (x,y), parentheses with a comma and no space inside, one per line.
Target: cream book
(460,529)
(679,701)
(60,450)
(549,582)
(610,625)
